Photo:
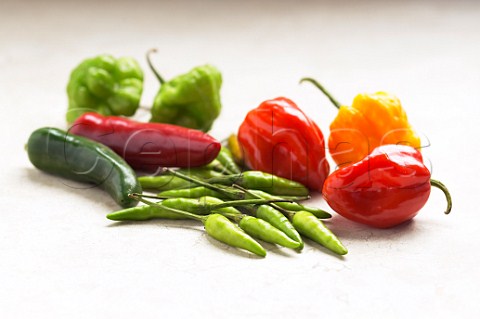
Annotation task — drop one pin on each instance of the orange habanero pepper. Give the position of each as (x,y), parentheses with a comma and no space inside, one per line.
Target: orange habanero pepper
(372,120)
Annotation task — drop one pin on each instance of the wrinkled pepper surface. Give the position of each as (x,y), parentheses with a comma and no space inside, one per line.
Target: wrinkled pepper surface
(191,100)
(105,85)
(372,120)
(278,138)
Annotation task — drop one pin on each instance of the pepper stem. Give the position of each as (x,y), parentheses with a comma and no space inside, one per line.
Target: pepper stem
(229,193)
(235,217)
(150,64)
(149,196)
(288,213)
(231,178)
(172,210)
(324,91)
(444,189)
(253,201)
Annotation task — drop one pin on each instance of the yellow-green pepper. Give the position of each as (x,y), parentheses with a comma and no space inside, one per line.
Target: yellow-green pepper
(105,85)
(191,100)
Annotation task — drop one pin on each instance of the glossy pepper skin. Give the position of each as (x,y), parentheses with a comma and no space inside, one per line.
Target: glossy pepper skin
(310,226)
(168,182)
(104,85)
(194,192)
(145,212)
(191,100)
(386,188)
(80,159)
(225,157)
(278,138)
(372,120)
(149,146)
(259,228)
(278,220)
(262,181)
(217,226)
(291,206)
(220,228)
(254,227)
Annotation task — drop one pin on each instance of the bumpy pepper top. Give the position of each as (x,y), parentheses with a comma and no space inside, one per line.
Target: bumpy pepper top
(105,85)
(372,120)
(191,100)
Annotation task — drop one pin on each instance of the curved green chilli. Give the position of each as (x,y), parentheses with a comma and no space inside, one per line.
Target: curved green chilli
(263,230)
(319,213)
(225,158)
(254,227)
(196,205)
(279,221)
(168,182)
(216,166)
(203,205)
(163,182)
(194,192)
(263,181)
(229,192)
(222,229)
(310,226)
(77,158)
(145,212)
(207,204)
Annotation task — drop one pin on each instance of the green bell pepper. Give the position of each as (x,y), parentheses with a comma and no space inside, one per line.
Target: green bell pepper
(105,85)
(191,100)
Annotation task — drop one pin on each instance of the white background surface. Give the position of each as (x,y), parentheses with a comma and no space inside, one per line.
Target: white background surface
(60,256)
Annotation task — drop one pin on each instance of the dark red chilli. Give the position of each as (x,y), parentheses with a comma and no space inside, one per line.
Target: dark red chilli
(148,146)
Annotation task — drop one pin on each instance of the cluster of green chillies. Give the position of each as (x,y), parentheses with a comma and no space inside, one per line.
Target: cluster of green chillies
(235,207)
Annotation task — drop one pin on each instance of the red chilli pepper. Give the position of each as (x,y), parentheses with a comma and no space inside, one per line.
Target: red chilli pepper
(278,138)
(386,188)
(149,146)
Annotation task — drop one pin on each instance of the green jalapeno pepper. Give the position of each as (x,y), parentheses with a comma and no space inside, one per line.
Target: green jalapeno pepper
(263,181)
(57,152)
(105,85)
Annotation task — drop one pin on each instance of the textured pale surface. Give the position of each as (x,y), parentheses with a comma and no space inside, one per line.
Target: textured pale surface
(61,258)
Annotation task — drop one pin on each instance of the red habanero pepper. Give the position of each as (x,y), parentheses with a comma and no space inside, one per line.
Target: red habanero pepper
(386,188)
(278,138)
(149,146)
